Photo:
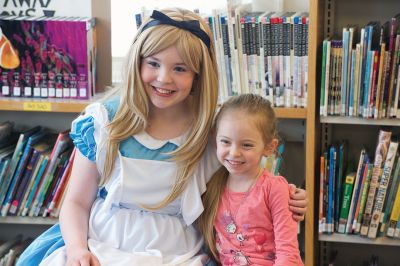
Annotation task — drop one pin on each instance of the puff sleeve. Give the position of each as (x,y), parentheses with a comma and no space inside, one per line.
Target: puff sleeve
(86,129)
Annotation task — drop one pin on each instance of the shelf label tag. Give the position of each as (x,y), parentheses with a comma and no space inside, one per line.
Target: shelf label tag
(37,106)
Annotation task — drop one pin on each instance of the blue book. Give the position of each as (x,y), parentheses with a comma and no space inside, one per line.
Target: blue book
(4,167)
(24,159)
(331,189)
(363,59)
(9,173)
(351,88)
(366,83)
(278,158)
(27,175)
(35,186)
(339,180)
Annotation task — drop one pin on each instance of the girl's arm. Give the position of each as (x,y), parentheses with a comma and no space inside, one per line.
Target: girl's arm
(298,202)
(75,211)
(285,228)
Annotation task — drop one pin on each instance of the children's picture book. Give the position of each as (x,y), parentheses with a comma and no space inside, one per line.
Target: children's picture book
(48,53)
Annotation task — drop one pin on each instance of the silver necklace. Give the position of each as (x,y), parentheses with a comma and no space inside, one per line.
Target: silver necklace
(231,227)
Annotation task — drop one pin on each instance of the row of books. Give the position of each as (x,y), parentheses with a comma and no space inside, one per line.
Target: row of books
(365,201)
(11,250)
(47,57)
(34,172)
(360,74)
(261,52)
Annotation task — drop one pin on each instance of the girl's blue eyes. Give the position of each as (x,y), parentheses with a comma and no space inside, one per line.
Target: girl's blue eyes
(154,64)
(180,69)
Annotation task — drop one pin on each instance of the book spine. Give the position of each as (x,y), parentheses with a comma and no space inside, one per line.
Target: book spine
(363,199)
(24,156)
(351,83)
(43,189)
(338,189)
(357,70)
(322,219)
(380,156)
(366,83)
(35,187)
(345,55)
(63,182)
(24,183)
(379,81)
(30,186)
(327,76)
(356,192)
(372,99)
(9,172)
(344,210)
(395,76)
(379,201)
(391,196)
(331,189)
(363,177)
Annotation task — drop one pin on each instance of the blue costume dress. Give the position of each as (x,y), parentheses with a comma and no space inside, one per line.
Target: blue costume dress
(120,232)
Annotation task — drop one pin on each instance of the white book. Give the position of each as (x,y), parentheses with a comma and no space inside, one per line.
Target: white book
(383,184)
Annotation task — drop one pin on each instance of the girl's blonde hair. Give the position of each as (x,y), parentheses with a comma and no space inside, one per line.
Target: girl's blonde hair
(258,110)
(133,111)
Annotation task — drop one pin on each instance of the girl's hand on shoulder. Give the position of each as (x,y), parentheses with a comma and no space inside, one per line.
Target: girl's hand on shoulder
(298,202)
(82,257)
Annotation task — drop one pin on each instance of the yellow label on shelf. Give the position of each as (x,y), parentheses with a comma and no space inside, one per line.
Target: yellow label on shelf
(37,106)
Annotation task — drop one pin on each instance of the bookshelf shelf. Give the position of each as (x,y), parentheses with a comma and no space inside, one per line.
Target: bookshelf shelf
(45,105)
(291,113)
(385,241)
(343,26)
(359,121)
(27,220)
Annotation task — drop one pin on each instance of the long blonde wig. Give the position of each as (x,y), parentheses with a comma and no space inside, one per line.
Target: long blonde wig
(260,111)
(133,111)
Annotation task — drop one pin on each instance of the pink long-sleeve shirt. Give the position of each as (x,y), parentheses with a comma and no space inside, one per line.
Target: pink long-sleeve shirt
(256,227)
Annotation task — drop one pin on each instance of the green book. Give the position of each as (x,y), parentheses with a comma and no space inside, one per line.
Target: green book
(347,193)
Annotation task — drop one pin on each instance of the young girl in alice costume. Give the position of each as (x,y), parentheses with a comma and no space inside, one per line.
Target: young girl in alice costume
(246,218)
(144,158)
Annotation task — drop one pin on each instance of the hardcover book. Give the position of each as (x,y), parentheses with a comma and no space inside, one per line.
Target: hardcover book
(45,49)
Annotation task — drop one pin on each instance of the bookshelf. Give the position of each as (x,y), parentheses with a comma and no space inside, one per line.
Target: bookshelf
(361,132)
(56,114)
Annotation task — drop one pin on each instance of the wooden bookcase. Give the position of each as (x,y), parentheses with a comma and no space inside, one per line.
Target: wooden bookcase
(353,249)
(56,114)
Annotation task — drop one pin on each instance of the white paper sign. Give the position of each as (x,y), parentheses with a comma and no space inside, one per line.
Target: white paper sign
(80,8)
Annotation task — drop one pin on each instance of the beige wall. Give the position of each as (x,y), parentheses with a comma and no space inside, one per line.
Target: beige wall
(101,10)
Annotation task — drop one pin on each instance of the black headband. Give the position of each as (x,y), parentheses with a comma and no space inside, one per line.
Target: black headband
(192,26)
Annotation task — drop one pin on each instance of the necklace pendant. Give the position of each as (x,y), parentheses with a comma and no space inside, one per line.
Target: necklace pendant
(231,228)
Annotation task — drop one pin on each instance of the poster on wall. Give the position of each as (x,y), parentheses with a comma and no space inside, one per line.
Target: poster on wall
(47,8)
